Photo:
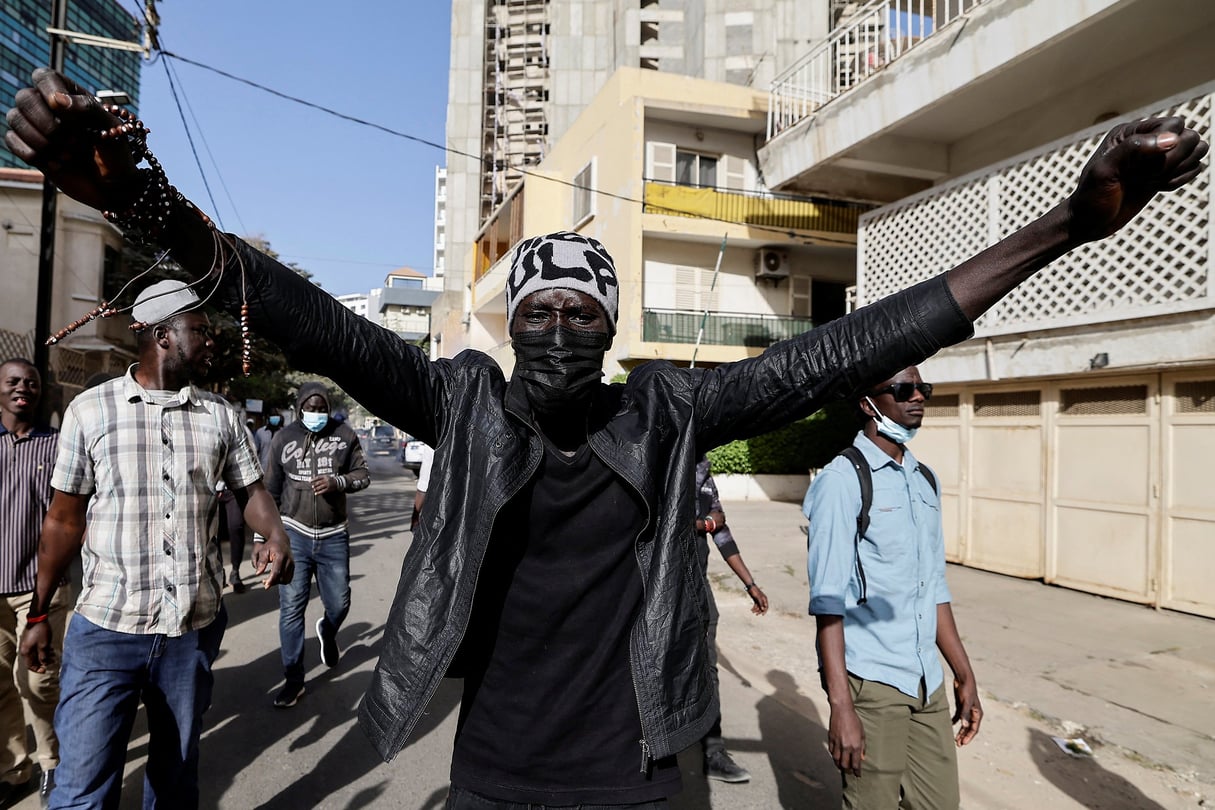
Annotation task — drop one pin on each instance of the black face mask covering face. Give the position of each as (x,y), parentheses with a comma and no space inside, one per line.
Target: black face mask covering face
(559,367)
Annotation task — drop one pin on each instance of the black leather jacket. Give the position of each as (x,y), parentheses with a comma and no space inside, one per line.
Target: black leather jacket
(650,431)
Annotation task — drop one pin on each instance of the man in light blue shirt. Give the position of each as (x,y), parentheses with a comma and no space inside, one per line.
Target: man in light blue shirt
(883,610)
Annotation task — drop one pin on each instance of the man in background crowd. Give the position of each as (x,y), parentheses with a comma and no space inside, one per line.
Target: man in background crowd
(27,457)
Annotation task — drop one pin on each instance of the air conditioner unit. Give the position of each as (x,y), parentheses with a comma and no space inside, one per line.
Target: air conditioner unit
(771,264)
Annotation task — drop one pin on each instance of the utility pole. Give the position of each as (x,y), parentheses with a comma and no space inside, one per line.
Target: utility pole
(50,216)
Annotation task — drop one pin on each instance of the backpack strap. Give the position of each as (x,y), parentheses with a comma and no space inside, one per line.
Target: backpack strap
(931,477)
(865,477)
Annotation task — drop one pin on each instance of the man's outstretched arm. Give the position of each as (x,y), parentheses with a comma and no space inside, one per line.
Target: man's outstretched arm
(1133,164)
(56,125)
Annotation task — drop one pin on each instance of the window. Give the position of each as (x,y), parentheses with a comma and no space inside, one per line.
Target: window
(584,194)
(695,169)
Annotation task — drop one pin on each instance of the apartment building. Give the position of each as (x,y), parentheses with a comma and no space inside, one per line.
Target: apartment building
(1071,433)
(522,71)
(713,267)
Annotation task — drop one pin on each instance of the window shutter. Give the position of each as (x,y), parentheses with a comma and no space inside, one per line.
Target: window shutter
(734,173)
(660,160)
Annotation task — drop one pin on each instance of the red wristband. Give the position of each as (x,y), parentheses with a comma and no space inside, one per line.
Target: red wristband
(35,619)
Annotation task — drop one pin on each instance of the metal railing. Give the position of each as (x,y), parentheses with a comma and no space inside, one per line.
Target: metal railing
(721,329)
(876,35)
(784,211)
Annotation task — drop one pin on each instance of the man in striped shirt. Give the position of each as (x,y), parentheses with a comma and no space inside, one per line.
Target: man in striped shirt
(27,456)
(139,460)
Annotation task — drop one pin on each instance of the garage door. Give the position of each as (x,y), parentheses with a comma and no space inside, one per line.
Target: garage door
(1104,533)
(1188,563)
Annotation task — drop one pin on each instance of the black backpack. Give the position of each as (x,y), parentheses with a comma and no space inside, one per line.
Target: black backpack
(863,473)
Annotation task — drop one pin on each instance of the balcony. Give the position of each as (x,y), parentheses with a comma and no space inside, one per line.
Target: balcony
(782,211)
(1158,265)
(721,329)
(872,38)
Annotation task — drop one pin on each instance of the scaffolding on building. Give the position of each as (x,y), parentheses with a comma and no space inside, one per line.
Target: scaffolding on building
(516,94)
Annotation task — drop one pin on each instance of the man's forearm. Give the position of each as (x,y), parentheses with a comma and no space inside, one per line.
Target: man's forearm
(982,280)
(949,642)
(262,515)
(735,561)
(831,653)
(60,543)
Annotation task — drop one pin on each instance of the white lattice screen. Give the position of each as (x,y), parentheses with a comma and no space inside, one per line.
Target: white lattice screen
(14,344)
(1159,263)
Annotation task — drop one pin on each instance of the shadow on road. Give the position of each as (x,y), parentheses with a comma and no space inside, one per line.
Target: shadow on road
(1083,778)
(791,735)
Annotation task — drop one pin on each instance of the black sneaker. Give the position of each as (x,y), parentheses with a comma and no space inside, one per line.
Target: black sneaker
(289,695)
(45,785)
(235,581)
(719,766)
(329,647)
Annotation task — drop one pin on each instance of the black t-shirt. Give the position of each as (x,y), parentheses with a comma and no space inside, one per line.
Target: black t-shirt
(549,713)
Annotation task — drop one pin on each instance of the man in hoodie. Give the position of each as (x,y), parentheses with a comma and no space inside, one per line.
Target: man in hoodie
(313,463)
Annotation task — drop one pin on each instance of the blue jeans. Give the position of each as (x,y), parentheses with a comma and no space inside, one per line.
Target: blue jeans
(104,676)
(329,559)
(461,799)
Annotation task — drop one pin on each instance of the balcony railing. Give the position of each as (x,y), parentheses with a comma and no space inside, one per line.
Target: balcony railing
(721,329)
(783,211)
(876,35)
(1159,264)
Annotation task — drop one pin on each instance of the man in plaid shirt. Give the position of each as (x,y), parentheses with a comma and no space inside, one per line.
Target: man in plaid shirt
(139,458)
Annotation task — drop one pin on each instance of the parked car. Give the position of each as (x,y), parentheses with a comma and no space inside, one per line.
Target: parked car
(411,454)
(383,440)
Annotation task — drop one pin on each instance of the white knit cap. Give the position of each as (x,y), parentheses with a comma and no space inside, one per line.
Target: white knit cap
(163,300)
(567,261)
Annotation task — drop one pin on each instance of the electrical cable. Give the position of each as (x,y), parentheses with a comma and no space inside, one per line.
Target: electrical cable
(206,146)
(185,124)
(480,159)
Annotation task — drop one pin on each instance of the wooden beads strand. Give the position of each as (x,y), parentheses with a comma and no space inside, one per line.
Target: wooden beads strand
(146,219)
(102,310)
(246,354)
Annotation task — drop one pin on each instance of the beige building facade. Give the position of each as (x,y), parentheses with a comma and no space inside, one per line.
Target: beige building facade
(86,247)
(523,71)
(1070,435)
(661,169)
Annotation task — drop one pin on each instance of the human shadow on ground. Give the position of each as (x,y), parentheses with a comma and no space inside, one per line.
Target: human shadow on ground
(353,757)
(1083,778)
(378,515)
(792,737)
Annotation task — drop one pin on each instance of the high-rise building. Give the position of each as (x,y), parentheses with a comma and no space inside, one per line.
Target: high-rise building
(523,70)
(435,282)
(25,45)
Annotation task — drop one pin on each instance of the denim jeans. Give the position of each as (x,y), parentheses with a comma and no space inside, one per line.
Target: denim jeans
(461,799)
(329,559)
(104,676)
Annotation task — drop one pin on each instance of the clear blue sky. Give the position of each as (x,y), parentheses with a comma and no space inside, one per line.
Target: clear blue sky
(344,201)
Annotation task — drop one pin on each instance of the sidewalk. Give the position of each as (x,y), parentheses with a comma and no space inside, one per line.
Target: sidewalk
(1137,684)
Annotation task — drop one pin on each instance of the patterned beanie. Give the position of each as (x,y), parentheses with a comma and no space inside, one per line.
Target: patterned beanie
(567,261)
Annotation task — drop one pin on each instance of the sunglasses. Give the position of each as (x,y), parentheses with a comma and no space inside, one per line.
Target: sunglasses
(902,391)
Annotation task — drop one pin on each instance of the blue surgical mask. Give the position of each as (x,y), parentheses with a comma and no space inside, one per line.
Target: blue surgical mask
(275,421)
(314,421)
(889,428)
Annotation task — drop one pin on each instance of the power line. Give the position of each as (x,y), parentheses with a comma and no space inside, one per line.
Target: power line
(190,138)
(202,137)
(480,159)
